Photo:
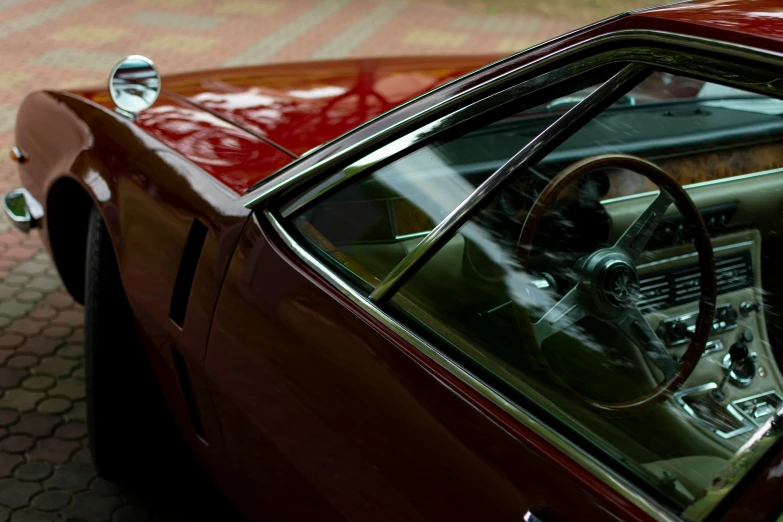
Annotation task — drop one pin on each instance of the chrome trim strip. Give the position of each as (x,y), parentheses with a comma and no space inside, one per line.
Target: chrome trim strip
(700,184)
(723,248)
(620,485)
(276,183)
(563,127)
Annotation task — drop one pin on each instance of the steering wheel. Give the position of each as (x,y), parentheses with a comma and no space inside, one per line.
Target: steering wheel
(607,284)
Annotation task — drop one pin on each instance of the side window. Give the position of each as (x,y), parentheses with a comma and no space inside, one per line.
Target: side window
(559,292)
(367,226)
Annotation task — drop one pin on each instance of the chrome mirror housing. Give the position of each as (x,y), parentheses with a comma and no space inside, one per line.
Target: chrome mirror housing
(134,84)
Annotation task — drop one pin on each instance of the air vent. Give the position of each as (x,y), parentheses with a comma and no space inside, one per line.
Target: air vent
(673,287)
(187,271)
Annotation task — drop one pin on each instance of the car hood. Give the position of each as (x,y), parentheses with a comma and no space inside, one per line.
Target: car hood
(243,124)
(303,105)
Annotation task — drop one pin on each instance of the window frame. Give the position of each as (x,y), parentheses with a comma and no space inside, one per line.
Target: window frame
(696,57)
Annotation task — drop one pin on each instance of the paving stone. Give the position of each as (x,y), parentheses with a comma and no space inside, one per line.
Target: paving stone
(91,506)
(106,488)
(82,457)
(42,313)
(53,450)
(77,336)
(21,399)
(51,500)
(132,514)
(22,361)
(5,514)
(73,430)
(7,291)
(5,321)
(59,300)
(11,377)
(55,366)
(7,464)
(43,283)
(78,412)
(26,326)
(14,308)
(38,383)
(71,351)
(79,373)
(69,387)
(33,515)
(54,405)
(40,345)
(33,471)
(3,432)
(36,424)
(8,416)
(10,340)
(15,493)
(57,332)
(17,279)
(70,318)
(18,443)
(5,354)
(30,267)
(73,477)
(29,296)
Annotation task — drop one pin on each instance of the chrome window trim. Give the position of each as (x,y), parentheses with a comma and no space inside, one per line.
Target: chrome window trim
(279,182)
(627,490)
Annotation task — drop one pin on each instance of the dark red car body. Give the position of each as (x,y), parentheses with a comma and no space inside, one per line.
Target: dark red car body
(311,408)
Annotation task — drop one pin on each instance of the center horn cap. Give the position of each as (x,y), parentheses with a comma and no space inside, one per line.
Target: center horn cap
(621,286)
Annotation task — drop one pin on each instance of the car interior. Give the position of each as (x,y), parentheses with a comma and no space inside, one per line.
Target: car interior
(477,301)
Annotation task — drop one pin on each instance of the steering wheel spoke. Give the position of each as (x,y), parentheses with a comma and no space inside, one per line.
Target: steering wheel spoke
(562,315)
(639,331)
(635,238)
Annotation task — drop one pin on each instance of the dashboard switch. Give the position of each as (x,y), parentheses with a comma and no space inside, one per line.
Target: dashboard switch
(748,307)
(747,336)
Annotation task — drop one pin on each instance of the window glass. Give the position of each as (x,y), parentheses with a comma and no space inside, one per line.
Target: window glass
(366,227)
(560,327)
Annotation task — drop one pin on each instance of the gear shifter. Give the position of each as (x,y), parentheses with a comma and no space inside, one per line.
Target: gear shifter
(738,353)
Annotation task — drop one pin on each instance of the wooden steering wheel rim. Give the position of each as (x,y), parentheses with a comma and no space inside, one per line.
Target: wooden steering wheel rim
(701,238)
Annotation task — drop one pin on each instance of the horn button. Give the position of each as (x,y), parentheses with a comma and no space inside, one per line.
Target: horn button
(610,283)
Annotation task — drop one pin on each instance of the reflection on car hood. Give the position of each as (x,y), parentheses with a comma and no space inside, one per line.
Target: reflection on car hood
(301,106)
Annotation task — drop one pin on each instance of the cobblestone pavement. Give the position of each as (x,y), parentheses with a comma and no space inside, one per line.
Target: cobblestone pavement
(45,470)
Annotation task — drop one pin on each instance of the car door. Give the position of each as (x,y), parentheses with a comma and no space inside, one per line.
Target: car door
(368,349)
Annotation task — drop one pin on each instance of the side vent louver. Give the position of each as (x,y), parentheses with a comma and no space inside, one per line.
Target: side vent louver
(187,392)
(678,286)
(187,270)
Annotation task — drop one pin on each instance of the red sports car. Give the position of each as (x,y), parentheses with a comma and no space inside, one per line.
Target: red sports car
(394,289)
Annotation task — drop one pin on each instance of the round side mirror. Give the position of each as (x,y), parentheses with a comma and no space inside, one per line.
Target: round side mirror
(134,84)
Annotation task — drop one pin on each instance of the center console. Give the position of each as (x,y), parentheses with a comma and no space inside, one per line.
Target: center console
(727,396)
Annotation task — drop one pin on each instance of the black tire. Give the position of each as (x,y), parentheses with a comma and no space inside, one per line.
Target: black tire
(130,431)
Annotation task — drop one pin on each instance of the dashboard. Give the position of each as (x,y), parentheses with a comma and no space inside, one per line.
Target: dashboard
(740,216)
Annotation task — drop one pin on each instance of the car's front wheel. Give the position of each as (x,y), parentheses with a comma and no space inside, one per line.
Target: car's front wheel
(130,431)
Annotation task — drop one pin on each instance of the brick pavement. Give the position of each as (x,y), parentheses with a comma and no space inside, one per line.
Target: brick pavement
(45,470)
